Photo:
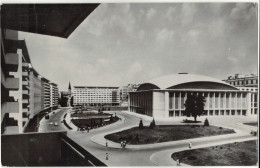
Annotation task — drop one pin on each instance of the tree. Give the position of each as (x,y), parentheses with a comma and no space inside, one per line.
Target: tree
(200,101)
(72,101)
(194,105)
(141,126)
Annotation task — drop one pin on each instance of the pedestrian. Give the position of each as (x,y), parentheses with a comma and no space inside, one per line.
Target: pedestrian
(121,143)
(106,156)
(190,144)
(106,143)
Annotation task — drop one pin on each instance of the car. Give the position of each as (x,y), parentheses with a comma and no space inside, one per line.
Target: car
(56,123)
(47,117)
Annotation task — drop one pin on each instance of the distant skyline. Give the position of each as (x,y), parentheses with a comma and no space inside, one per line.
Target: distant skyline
(133,43)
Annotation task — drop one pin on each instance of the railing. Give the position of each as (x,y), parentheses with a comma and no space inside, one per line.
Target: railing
(44,149)
(74,154)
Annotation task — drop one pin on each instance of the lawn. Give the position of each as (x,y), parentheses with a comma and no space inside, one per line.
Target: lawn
(165,133)
(235,154)
(252,124)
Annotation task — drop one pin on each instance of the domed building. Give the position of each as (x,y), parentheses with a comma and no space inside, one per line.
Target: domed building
(165,96)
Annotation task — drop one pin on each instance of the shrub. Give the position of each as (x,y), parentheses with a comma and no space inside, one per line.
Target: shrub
(141,126)
(152,124)
(206,122)
(192,157)
(137,138)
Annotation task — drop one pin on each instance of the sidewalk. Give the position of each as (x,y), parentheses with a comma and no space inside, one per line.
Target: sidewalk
(68,120)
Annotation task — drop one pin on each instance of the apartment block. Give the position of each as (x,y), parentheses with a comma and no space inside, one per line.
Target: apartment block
(96,96)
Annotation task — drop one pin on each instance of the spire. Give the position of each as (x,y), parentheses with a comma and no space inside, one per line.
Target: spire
(69,86)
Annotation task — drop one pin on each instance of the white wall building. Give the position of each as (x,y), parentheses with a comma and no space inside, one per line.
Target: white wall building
(165,96)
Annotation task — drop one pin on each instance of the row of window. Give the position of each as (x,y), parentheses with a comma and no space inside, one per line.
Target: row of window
(242,82)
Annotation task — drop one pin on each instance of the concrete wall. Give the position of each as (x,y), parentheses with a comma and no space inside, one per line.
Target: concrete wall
(159,104)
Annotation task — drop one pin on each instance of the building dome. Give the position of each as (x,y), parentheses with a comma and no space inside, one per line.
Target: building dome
(185,81)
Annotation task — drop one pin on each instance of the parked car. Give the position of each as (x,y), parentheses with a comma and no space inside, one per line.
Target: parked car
(56,123)
(47,116)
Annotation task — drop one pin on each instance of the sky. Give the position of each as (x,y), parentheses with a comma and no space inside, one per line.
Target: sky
(124,43)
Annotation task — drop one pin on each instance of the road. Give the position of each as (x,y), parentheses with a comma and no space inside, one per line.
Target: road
(47,125)
(156,155)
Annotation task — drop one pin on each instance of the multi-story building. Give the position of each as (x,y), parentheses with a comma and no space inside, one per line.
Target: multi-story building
(24,93)
(35,93)
(124,90)
(246,83)
(165,96)
(243,80)
(54,96)
(96,96)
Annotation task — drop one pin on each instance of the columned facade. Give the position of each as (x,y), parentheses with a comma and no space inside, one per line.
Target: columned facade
(171,103)
(166,96)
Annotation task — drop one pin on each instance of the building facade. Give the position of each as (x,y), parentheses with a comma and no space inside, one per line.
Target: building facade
(124,91)
(246,83)
(165,97)
(243,80)
(24,93)
(96,96)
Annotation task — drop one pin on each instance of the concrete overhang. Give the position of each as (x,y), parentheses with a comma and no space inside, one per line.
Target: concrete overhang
(48,19)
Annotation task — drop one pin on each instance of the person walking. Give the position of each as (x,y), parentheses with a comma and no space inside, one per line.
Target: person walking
(190,145)
(121,143)
(106,143)
(106,156)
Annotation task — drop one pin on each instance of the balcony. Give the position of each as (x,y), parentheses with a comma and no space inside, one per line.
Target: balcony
(25,73)
(25,110)
(10,107)
(59,150)
(25,83)
(25,101)
(25,91)
(11,83)
(25,64)
(11,61)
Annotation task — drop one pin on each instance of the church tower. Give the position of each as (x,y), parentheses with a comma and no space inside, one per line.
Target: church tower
(69,89)
(69,96)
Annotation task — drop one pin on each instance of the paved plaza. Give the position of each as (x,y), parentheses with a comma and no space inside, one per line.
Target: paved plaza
(149,154)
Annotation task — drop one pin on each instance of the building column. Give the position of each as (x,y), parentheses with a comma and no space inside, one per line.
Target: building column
(208,103)
(236,103)
(173,103)
(166,102)
(248,104)
(213,103)
(179,102)
(230,104)
(241,103)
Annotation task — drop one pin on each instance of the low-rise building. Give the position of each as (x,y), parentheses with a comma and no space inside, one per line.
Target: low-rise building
(165,97)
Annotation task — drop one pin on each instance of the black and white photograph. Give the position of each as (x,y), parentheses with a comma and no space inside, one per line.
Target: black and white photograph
(129,84)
